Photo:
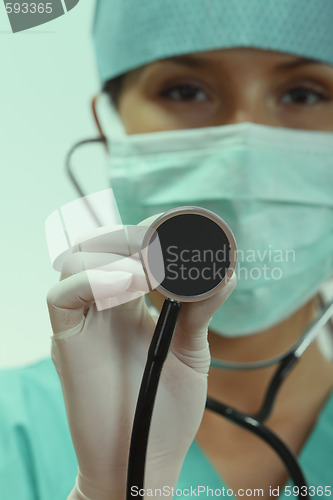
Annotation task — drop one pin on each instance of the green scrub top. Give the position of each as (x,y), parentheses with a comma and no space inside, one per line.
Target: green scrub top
(37,459)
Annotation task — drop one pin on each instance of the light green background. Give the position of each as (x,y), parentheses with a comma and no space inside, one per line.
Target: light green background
(48,76)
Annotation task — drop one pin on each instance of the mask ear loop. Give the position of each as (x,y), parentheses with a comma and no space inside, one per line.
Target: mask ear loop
(97,121)
(68,160)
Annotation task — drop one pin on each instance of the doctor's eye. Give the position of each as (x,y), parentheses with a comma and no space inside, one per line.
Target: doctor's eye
(184,93)
(303,96)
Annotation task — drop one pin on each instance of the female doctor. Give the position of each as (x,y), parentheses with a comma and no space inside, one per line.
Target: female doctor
(247,86)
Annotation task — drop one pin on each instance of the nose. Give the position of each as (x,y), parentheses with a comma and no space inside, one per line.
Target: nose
(247,101)
(241,115)
(253,111)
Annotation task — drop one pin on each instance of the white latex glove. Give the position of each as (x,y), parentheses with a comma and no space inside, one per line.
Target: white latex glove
(100,358)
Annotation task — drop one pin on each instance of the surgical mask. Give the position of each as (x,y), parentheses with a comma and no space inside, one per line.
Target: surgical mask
(272,186)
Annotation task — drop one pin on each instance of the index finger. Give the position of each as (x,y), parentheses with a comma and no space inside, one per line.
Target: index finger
(121,240)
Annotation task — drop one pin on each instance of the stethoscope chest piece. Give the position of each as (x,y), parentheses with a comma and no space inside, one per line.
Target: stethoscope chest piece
(199,254)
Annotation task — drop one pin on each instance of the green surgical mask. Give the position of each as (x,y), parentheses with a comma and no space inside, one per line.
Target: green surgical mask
(272,186)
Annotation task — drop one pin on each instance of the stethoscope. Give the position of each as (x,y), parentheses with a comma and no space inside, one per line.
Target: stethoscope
(177,228)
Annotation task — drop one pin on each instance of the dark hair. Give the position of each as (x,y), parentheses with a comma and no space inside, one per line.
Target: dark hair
(113,89)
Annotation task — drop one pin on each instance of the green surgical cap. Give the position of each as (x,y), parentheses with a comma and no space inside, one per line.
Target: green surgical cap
(130,33)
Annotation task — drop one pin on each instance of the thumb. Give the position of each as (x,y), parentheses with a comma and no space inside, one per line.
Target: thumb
(69,299)
(190,339)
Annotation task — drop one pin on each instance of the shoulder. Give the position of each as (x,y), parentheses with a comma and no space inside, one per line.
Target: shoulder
(21,388)
(34,435)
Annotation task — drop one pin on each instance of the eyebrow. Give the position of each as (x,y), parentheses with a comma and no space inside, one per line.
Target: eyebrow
(297,63)
(198,62)
(193,62)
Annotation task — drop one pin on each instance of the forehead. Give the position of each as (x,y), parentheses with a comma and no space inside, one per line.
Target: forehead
(208,59)
(234,60)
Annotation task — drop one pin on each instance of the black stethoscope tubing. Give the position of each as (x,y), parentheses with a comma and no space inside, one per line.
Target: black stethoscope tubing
(255,423)
(157,353)
(263,432)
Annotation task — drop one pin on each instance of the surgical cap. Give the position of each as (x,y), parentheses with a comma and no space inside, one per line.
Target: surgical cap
(130,33)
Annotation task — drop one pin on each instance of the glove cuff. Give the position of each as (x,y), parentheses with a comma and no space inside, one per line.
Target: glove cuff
(82,491)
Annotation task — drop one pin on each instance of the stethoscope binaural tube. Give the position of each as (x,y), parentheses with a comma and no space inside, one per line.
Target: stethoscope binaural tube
(255,423)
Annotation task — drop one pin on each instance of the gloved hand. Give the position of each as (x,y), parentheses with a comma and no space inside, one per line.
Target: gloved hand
(100,358)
